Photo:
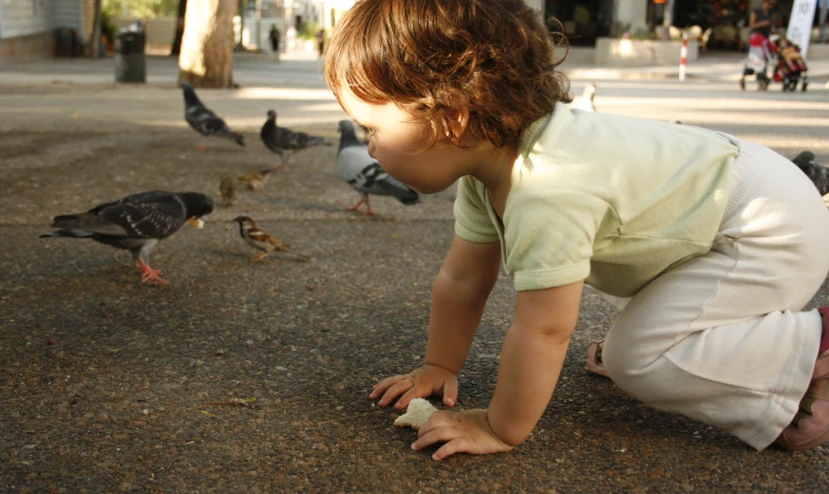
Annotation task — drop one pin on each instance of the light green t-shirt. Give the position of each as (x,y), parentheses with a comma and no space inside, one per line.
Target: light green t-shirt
(608,199)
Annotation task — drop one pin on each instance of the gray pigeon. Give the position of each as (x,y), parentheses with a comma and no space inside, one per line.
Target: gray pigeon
(363,173)
(204,121)
(136,223)
(819,175)
(284,141)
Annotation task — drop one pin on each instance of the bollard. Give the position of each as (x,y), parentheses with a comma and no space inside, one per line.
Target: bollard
(683,55)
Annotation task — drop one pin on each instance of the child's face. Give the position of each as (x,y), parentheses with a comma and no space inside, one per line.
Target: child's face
(404,147)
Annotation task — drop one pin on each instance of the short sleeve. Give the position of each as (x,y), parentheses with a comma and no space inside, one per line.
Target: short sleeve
(549,238)
(472,220)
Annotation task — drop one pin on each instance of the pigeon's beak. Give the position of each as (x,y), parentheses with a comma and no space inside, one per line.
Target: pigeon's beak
(196,222)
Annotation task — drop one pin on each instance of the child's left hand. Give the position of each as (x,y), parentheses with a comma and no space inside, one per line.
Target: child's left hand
(463,432)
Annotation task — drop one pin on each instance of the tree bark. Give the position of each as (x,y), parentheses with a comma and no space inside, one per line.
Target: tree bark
(93,47)
(176,48)
(206,58)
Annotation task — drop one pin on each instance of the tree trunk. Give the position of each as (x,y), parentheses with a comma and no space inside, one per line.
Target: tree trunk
(94,45)
(206,58)
(176,48)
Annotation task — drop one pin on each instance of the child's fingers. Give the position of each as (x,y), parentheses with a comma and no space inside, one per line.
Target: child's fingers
(445,433)
(450,392)
(412,393)
(394,391)
(457,445)
(383,385)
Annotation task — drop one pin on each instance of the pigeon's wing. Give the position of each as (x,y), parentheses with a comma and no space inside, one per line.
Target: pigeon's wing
(286,138)
(818,174)
(203,120)
(139,198)
(158,219)
(274,137)
(316,141)
(378,182)
(88,224)
(302,140)
(365,175)
(296,140)
(351,161)
(821,179)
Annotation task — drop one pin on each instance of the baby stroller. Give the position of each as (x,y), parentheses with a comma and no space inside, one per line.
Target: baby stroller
(789,66)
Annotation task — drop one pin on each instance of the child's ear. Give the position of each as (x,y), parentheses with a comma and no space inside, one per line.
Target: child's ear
(458,119)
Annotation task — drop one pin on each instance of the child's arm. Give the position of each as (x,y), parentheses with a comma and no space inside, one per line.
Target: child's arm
(531,361)
(458,299)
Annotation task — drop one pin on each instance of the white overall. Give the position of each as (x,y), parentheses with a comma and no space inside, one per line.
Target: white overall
(721,338)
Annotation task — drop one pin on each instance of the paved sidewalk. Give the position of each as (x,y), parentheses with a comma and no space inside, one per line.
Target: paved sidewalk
(254,377)
(711,67)
(254,70)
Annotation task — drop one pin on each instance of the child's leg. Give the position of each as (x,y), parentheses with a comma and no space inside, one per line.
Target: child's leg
(719,338)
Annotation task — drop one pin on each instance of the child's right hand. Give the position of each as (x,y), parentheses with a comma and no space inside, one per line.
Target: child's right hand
(420,383)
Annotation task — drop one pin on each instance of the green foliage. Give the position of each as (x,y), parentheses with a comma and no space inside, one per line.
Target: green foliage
(108,28)
(140,8)
(642,33)
(307,30)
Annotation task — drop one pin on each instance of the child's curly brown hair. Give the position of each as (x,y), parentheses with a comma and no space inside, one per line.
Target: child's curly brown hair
(432,57)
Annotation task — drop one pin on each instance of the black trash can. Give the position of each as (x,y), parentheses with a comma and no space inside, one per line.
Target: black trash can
(130,63)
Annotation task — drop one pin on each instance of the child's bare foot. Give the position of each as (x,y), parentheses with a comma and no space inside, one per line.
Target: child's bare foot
(810,427)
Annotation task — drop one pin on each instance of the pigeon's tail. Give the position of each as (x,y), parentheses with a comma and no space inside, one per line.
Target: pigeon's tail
(70,233)
(317,141)
(410,200)
(74,221)
(229,134)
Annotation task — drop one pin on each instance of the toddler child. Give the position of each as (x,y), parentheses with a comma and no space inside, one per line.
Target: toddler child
(709,244)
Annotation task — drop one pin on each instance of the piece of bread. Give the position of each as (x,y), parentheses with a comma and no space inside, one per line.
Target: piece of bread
(417,413)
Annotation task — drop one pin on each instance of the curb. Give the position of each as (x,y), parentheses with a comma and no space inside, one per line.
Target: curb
(611,74)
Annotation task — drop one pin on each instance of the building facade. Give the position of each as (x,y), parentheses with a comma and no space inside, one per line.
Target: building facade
(36,28)
(583,21)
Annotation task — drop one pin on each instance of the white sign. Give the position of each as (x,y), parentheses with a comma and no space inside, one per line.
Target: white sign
(800,23)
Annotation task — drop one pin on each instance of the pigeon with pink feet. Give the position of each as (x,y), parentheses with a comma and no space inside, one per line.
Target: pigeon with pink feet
(136,223)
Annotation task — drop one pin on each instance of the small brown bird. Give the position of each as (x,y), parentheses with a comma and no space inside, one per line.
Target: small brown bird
(227,189)
(262,240)
(255,180)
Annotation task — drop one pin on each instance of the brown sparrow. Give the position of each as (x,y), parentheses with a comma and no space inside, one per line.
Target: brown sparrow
(255,180)
(227,189)
(262,240)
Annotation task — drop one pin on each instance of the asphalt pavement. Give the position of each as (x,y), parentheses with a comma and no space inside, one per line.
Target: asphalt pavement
(254,377)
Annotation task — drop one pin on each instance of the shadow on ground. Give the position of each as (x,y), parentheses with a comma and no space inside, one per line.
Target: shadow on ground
(110,385)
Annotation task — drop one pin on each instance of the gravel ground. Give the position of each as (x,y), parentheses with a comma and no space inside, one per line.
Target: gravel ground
(109,385)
